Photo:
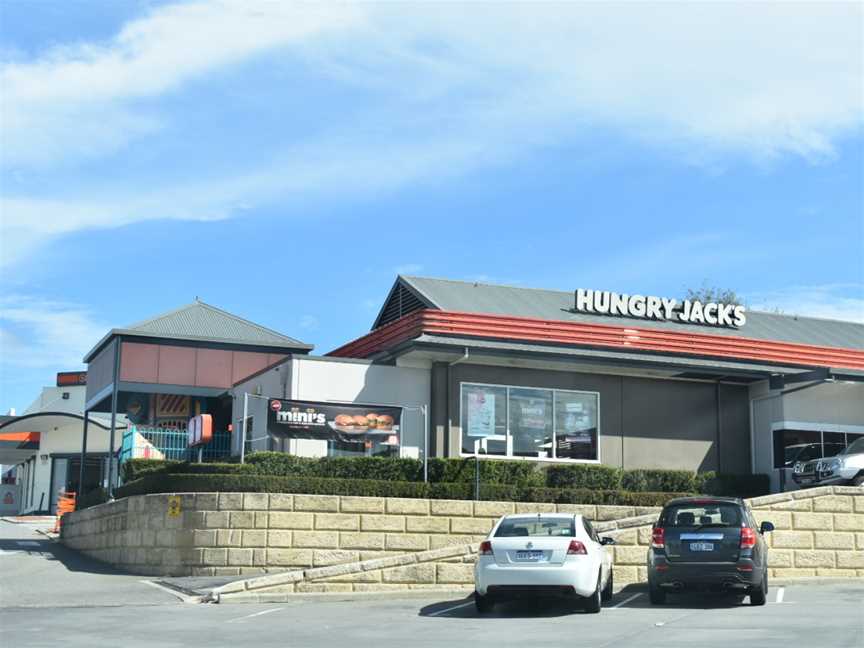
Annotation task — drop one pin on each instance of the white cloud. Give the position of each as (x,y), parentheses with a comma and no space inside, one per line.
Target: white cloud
(840,301)
(39,333)
(408,269)
(458,87)
(310,323)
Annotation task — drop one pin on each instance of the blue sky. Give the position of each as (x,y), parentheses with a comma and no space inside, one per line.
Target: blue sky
(286,161)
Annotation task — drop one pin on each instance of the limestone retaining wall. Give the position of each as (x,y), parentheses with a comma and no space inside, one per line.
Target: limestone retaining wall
(819,532)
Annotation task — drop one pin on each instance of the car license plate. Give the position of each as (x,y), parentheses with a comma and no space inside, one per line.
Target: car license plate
(529,556)
(701,546)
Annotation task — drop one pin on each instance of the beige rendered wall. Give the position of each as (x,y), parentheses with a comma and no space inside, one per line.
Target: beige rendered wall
(819,532)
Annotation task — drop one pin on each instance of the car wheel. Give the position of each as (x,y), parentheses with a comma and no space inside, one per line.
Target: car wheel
(607,591)
(483,603)
(858,481)
(760,593)
(656,595)
(594,602)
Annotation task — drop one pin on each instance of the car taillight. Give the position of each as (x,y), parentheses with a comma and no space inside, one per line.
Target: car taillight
(748,538)
(658,538)
(576,547)
(486,548)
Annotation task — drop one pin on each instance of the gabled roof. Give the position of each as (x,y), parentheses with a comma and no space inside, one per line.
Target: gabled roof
(205,323)
(468,297)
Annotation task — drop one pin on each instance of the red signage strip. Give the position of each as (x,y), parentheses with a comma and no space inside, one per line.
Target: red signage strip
(526,329)
(71,378)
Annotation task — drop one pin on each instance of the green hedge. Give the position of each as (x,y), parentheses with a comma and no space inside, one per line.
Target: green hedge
(521,474)
(192,483)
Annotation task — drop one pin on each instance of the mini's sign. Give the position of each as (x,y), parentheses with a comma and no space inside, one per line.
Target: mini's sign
(200,430)
(690,311)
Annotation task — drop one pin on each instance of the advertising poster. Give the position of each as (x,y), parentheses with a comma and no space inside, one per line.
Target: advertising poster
(352,423)
(481,414)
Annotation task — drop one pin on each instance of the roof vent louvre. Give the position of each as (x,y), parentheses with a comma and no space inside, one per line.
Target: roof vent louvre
(401,302)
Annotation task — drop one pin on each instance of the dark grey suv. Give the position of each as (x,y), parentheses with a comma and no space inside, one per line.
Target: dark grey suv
(708,543)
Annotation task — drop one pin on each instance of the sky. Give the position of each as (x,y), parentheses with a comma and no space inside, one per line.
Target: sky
(285,161)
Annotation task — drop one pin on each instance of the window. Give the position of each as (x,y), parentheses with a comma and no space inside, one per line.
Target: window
(718,514)
(530,422)
(536,526)
(792,446)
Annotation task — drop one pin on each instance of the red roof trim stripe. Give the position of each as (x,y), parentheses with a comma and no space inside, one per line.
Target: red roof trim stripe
(632,338)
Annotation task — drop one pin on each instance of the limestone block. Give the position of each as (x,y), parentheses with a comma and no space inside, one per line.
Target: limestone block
(624,574)
(362,504)
(215,557)
(432,524)
(834,540)
(849,522)
(279,538)
(242,520)
(229,537)
(216,520)
(382,523)
(262,519)
(406,542)
(837,573)
(792,539)
(794,505)
(256,538)
(395,560)
(414,574)
(442,541)
(859,541)
(793,573)
(204,537)
(240,557)
(535,507)
(289,557)
(326,557)
(455,573)
(230,501)
(323,587)
(585,510)
(833,504)
(476,526)
(226,571)
(284,520)
(859,503)
(357,577)
(353,540)
(407,506)
(281,502)
(626,537)
(850,559)
(256,501)
(782,520)
(493,509)
(780,558)
(323,503)
(614,512)
(815,521)
(337,521)
(644,535)
(451,507)
(630,555)
(807,558)
(207,501)
(316,539)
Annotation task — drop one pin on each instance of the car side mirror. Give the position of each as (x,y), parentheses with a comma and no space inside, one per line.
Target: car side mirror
(766,527)
(606,540)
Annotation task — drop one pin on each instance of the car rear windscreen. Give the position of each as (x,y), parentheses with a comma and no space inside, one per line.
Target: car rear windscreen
(539,526)
(689,514)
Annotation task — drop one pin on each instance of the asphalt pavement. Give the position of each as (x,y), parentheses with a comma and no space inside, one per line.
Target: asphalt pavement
(50,596)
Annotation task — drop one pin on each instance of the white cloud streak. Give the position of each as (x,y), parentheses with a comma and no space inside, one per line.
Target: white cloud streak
(463,86)
(838,301)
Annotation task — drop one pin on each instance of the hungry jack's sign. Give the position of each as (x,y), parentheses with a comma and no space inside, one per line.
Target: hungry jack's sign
(603,302)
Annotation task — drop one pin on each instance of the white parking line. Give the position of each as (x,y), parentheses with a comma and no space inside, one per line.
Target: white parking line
(256,614)
(450,609)
(781,591)
(625,601)
(27,543)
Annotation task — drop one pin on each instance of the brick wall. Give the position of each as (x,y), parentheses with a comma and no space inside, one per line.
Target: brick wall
(820,532)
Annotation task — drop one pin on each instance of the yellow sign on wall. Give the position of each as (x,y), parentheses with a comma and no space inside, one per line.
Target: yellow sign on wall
(174,506)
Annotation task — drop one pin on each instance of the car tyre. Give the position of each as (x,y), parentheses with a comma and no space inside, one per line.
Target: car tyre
(858,481)
(656,595)
(607,591)
(594,603)
(760,593)
(483,604)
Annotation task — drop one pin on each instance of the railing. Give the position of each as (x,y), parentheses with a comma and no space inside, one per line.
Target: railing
(145,442)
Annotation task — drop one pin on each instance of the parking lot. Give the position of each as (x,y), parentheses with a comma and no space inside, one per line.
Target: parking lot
(825,615)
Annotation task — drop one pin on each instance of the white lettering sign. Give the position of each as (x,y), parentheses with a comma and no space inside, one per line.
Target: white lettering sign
(689,311)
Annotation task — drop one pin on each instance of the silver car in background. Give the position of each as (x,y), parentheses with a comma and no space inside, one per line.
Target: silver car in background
(843,469)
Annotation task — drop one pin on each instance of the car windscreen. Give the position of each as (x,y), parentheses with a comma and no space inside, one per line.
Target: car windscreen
(856,447)
(539,526)
(718,514)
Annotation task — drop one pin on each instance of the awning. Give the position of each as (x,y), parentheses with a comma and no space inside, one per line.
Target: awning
(20,436)
(16,447)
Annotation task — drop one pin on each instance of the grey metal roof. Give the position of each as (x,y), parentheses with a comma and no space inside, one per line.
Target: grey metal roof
(205,323)
(492,299)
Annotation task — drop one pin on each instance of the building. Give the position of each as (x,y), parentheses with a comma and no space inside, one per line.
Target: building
(622,380)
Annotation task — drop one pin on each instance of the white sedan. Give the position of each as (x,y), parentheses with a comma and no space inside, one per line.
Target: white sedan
(543,554)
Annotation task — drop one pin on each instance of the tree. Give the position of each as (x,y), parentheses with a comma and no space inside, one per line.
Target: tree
(706,293)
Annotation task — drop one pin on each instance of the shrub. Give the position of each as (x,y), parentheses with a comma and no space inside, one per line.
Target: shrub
(659,480)
(132,469)
(92,498)
(730,485)
(583,476)
(191,483)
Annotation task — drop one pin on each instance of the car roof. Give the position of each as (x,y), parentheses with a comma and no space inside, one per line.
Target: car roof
(517,516)
(703,499)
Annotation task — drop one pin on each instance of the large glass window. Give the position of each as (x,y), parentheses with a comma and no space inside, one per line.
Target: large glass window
(529,422)
(792,446)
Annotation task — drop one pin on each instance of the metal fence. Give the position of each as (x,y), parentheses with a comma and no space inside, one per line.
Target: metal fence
(144,442)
